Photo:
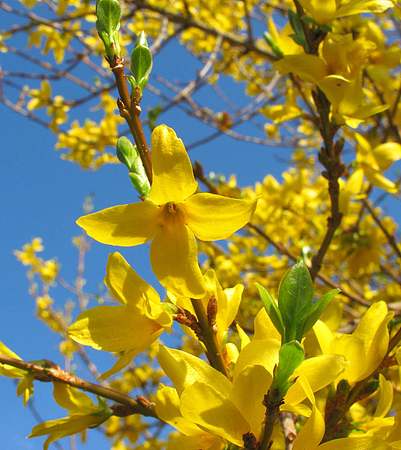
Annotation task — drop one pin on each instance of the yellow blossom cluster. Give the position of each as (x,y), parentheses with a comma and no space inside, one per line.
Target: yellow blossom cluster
(47,269)
(86,144)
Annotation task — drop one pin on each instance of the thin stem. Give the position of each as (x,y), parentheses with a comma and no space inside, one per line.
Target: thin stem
(272,401)
(209,338)
(130,110)
(51,372)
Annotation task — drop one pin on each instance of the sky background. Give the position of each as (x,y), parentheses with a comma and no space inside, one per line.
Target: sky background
(42,195)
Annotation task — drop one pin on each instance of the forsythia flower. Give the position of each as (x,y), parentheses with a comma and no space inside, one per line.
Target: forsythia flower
(365,348)
(324,11)
(337,72)
(227,304)
(171,216)
(373,161)
(83,414)
(231,409)
(25,385)
(129,328)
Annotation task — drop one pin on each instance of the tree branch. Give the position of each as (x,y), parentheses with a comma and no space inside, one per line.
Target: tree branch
(52,372)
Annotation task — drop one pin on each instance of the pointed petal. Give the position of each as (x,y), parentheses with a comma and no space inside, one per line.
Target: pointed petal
(319,372)
(123,225)
(264,328)
(385,397)
(123,360)
(114,329)
(321,11)
(363,6)
(258,352)
(372,330)
(356,443)
(308,67)
(213,217)
(10,371)
(71,399)
(173,178)
(312,432)
(174,258)
(184,369)
(168,409)
(249,389)
(125,284)
(216,413)
(387,154)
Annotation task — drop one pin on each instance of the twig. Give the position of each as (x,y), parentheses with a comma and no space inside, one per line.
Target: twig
(390,238)
(51,372)
(209,338)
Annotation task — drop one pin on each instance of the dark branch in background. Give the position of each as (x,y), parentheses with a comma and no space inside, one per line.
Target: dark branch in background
(329,154)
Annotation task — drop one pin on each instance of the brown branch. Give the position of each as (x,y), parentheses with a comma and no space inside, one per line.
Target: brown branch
(392,241)
(190,22)
(50,372)
(208,337)
(130,110)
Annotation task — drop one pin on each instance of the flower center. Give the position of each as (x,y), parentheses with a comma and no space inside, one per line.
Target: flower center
(172,213)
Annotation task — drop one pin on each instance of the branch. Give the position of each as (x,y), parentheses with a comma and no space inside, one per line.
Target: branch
(392,241)
(208,337)
(130,110)
(190,22)
(52,372)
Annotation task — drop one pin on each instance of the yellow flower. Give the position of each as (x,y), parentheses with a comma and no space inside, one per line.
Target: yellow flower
(365,348)
(192,437)
(337,71)
(25,385)
(171,216)
(84,414)
(227,304)
(324,11)
(129,328)
(373,161)
(230,409)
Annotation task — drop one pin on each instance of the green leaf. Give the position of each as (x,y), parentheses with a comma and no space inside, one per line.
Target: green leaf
(108,13)
(271,309)
(290,357)
(295,300)
(318,308)
(141,61)
(295,22)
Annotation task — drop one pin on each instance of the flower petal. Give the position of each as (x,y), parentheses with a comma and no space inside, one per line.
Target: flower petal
(174,258)
(123,225)
(214,412)
(114,329)
(173,178)
(356,443)
(184,369)
(125,284)
(308,67)
(167,405)
(249,389)
(213,217)
(319,372)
